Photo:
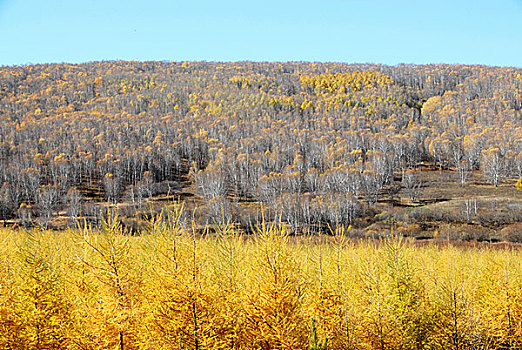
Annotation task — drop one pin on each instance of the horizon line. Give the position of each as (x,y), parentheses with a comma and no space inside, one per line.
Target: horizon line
(257,61)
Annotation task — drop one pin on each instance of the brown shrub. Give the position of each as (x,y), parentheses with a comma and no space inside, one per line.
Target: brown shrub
(411,230)
(465,232)
(512,233)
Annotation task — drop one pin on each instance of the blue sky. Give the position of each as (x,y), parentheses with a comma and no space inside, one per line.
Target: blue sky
(377,31)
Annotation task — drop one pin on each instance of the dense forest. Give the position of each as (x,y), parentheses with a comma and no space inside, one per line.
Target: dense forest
(425,150)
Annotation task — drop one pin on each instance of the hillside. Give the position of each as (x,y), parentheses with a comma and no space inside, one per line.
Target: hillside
(426,151)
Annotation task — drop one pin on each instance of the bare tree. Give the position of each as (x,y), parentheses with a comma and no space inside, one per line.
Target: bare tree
(212,183)
(74,201)
(493,165)
(112,187)
(464,170)
(411,181)
(25,214)
(47,202)
(146,186)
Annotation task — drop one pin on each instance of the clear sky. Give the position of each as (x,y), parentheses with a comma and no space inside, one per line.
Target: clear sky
(377,31)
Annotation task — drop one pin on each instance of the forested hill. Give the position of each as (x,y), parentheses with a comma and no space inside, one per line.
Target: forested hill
(318,143)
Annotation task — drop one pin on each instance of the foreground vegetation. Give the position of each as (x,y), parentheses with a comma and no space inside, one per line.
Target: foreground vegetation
(172,288)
